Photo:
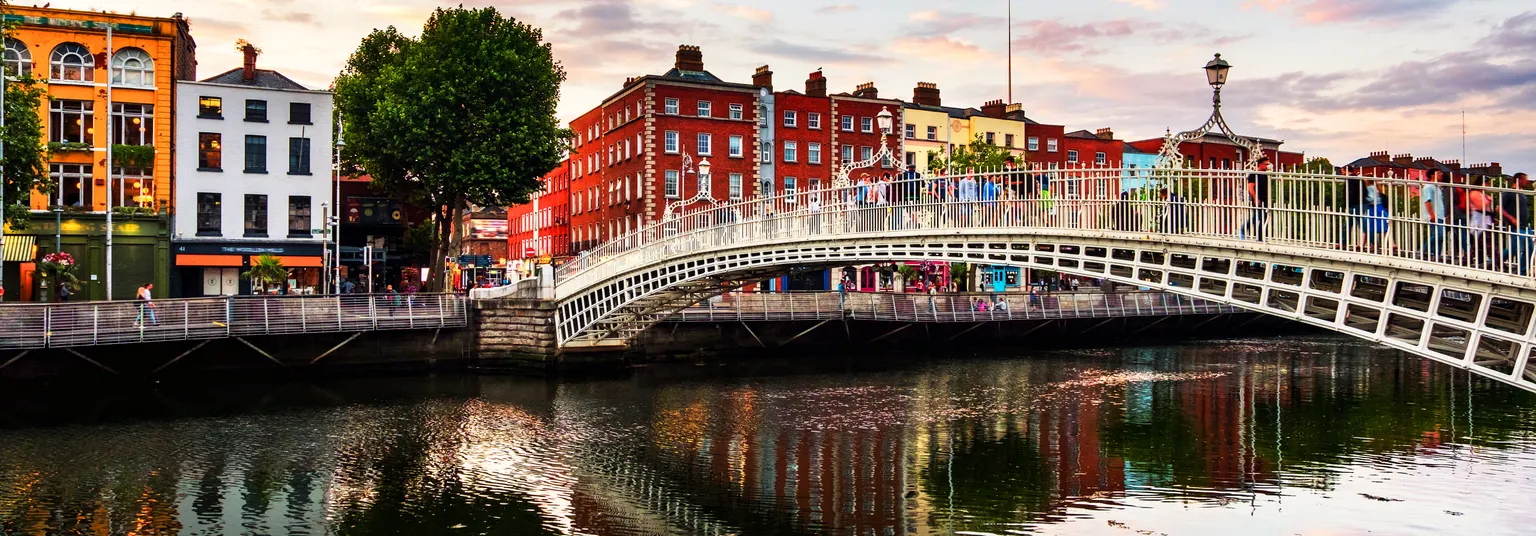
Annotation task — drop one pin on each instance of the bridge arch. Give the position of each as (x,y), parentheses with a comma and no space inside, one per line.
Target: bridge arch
(1483,325)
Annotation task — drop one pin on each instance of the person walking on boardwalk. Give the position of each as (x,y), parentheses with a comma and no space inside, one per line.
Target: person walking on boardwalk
(146,306)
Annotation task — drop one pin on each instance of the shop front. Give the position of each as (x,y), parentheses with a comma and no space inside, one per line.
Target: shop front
(139,254)
(208,268)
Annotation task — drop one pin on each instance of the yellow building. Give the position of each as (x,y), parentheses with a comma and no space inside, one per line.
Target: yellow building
(932,127)
(72,53)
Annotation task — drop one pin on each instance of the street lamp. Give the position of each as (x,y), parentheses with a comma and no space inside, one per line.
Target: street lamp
(884,118)
(702,172)
(335,218)
(886,121)
(1216,76)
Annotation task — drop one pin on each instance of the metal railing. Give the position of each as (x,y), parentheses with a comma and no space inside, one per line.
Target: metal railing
(66,325)
(1468,227)
(915,307)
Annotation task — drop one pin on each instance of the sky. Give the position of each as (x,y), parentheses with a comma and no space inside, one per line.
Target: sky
(1333,78)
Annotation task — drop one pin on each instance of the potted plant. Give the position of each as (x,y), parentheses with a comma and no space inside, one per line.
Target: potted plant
(265,271)
(59,267)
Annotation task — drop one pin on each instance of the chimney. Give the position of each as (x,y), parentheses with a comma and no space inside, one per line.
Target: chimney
(867,90)
(1380,156)
(250,61)
(1105,133)
(763,78)
(1405,158)
(816,85)
(926,94)
(689,58)
(1013,109)
(994,108)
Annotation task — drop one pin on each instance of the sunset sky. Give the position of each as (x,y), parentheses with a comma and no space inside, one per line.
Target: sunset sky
(1335,78)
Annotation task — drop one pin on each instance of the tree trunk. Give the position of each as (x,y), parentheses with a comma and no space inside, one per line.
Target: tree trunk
(439,250)
(456,237)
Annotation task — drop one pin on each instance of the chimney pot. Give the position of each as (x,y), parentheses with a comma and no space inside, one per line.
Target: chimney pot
(1105,133)
(994,108)
(689,58)
(926,94)
(816,85)
(250,61)
(763,78)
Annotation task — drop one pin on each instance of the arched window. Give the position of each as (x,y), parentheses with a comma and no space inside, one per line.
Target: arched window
(133,67)
(72,61)
(18,59)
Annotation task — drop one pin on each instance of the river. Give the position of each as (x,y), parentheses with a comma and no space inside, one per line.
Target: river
(1300,435)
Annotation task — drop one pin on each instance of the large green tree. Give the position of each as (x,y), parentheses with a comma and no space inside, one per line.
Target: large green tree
(26,158)
(978,155)
(463,114)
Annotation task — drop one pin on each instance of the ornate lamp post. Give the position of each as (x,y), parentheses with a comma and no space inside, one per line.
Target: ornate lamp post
(886,122)
(333,221)
(702,194)
(1216,76)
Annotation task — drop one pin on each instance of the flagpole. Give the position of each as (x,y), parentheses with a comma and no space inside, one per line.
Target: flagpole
(1010,51)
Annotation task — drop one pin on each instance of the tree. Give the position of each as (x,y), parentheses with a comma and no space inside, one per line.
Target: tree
(464,114)
(26,157)
(1317,165)
(266,270)
(978,155)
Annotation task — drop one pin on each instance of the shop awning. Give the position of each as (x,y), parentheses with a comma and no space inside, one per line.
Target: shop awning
(20,248)
(209,260)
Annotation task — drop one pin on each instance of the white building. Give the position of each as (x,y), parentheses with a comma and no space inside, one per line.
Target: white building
(253,173)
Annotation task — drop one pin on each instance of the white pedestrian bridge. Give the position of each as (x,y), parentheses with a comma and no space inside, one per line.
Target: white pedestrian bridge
(1378,259)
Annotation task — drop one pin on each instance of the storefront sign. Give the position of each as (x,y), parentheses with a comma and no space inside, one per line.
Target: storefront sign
(488,229)
(374,211)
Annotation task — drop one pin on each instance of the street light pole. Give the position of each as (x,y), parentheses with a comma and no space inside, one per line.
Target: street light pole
(336,217)
(1216,76)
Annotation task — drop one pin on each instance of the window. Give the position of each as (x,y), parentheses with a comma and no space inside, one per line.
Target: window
(813,153)
(210,107)
(72,185)
(670,188)
(133,67)
(639,147)
(704,144)
(790,118)
(991,138)
(255,215)
(71,121)
(736,111)
(298,113)
(298,156)
(1071,157)
(1034,143)
(789,190)
(132,187)
(18,59)
(133,124)
(1100,158)
(72,61)
(209,150)
(767,185)
(847,123)
(847,153)
(866,124)
(704,108)
(866,152)
(255,154)
(298,216)
(1050,144)
(813,120)
(210,214)
(670,107)
(736,148)
(767,152)
(669,142)
(735,187)
(933,133)
(911,131)
(256,110)
(911,159)
(1008,140)
(791,150)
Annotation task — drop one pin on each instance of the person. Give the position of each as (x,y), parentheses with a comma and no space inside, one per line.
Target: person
(347,287)
(912,195)
(64,292)
(988,200)
(1177,217)
(1433,213)
(1515,210)
(1075,284)
(1479,205)
(146,306)
(882,201)
(1258,196)
(1354,206)
(394,297)
(1001,305)
(861,198)
(966,195)
(1376,216)
(815,209)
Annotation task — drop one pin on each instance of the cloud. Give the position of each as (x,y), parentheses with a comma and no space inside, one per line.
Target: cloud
(289,16)
(950,23)
(924,15)
(837,9)
(1329,11)
(812,53)
(606,17)
(1053,37)
(1149,5)
(752,14)
(942,48)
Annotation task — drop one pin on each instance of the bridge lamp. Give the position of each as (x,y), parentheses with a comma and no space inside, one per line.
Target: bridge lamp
(884,117)
(1216,72)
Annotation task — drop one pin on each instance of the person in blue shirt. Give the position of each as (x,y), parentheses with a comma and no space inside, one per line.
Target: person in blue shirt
(989,200)
(966,195)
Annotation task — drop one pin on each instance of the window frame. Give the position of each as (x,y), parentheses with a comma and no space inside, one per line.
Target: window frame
(812,153)
(671,186)
(733,188)
(706,108)
(84,182)
(933,133)
(1052,145)
(1100,158)
(1071,156)
(262,168)
(791,151)
(671,106)
(210,222)
(86,63)
(256,224)
(1032,143)
(301,166)
(867,125)
(145,69)
(124,113)
(671,142)
(911,131)
(813,120)
(791,187)
(846,122)
(250,106)
(22,59)
(304,229)
(791,119)
(706,144)
(736,147)
(736,111)
(205,110)
(60,113)
(293,115)
(210,143)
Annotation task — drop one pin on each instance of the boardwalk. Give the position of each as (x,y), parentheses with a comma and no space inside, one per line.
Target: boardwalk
(69,325)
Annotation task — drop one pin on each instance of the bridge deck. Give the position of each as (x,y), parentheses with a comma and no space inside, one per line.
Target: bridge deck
(67,325)
(898,307)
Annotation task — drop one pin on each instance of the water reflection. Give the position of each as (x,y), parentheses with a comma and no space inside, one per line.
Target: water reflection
(1266,436)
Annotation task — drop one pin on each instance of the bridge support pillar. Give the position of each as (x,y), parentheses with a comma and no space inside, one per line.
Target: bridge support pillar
(515,332)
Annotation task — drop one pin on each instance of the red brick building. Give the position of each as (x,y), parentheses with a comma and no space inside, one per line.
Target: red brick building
(1042,142)
(814,133)
(1217,151)
(628,155)
(542,226)
(1382,164)
(1083,148)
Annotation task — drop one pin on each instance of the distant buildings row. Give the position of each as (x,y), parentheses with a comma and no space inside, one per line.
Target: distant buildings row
(626,165)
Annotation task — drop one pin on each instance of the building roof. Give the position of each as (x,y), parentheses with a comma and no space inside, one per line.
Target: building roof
(1131,149)
(696,76)
(265,78)
(957,113)
(1084,134)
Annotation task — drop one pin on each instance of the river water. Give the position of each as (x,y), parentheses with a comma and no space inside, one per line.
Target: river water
(1286,436)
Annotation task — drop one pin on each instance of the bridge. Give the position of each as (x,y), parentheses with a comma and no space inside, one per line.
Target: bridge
(1453,289)
(69,326)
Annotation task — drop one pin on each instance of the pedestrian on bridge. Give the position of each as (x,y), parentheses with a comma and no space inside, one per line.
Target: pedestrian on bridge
(146,306)
(1433,213)
(967,195)
(1515,210)
(1258,196)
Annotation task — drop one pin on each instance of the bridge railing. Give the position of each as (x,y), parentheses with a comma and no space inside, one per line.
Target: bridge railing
(917,307)
(1474,227)
(66,325)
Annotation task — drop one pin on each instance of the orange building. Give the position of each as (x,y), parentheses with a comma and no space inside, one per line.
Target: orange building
(77,54)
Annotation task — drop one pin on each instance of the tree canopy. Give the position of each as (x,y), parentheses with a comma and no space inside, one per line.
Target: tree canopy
(978,154)
(462,115)
(26,157)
